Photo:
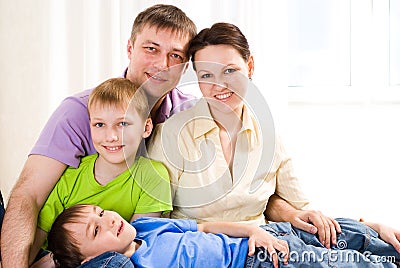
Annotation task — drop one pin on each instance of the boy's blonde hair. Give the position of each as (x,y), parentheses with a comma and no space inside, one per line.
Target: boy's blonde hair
(120,92)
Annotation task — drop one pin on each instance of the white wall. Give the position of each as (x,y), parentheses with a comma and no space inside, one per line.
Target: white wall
(348,156)
(23,82)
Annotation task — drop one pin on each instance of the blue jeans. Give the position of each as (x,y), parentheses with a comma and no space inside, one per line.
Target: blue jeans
(358,246)
(108,259)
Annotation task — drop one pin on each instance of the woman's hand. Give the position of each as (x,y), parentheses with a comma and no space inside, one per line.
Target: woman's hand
(261,238)
(317,223)
(310,221)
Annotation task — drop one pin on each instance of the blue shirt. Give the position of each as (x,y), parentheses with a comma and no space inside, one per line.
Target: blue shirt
(177,243)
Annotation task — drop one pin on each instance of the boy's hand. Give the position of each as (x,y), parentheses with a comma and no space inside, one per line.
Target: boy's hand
(261,238)
(387,234)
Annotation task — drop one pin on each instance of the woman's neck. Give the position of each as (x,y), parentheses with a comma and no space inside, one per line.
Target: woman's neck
(229,126)
(230,122)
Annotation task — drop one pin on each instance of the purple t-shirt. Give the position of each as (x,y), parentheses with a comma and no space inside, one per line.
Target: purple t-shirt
(66,136)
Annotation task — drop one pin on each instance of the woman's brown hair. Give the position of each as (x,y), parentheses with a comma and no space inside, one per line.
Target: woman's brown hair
(220,34)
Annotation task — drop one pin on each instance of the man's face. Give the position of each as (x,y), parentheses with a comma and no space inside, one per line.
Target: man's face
(102,230)
(157,60)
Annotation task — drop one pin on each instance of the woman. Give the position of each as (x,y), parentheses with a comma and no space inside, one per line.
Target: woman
(221,123)
(216,151)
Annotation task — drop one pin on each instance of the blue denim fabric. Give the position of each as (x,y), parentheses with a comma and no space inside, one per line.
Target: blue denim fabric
(358,246)
(109,260)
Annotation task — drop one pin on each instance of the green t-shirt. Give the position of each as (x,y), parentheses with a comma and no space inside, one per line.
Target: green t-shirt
(143,188)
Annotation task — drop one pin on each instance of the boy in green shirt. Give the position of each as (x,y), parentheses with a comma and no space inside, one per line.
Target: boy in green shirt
(113,178)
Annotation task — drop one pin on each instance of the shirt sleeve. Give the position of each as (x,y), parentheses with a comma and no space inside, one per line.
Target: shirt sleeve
(288,185)
(158,225)
(155,188)
(66,135)
(185,225)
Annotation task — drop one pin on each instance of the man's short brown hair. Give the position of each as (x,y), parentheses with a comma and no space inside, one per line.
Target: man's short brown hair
(164,17)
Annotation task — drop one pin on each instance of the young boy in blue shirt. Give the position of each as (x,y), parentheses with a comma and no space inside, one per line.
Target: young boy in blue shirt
(83,232)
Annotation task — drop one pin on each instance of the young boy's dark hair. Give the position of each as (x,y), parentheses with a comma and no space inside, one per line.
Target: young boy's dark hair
(69,254)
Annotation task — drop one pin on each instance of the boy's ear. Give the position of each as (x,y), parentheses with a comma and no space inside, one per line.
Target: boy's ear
(148,127)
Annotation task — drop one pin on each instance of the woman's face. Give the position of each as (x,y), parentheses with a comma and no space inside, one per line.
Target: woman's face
(223,77)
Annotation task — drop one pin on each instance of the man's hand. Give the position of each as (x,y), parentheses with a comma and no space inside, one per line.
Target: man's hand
(44,262)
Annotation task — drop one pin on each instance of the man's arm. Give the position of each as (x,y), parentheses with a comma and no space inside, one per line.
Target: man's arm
(40,238)
(37,179)
(307,220)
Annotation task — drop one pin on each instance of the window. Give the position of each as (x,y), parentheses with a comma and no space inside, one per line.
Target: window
(344,50)
(394,42)
(319,42)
